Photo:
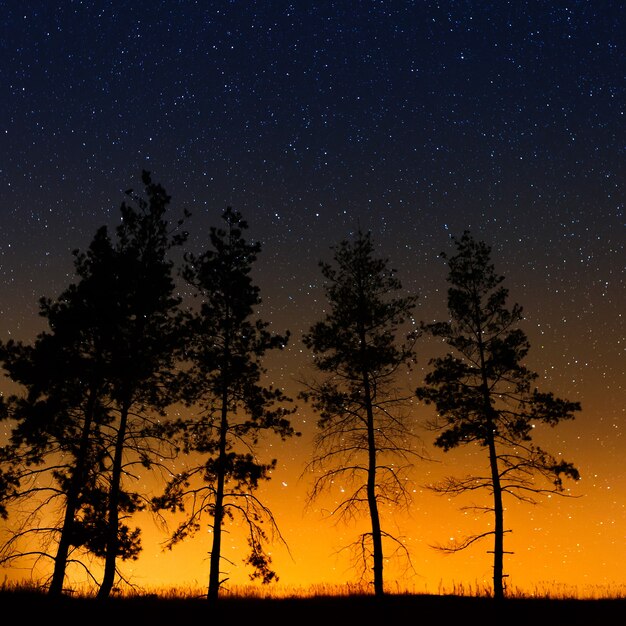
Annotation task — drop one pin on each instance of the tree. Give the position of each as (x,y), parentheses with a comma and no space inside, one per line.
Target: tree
(58,420)
(484,395)
(144,344)
(110,348)
(362,430)
(225,348)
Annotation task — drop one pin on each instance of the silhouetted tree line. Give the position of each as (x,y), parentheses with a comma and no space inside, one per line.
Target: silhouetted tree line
(122,352)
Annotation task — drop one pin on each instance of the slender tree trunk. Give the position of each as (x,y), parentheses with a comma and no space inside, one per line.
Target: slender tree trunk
(498,510)
(76,484)
(113,511)
(371,494)
(218,517)
(377,541)
(216,550)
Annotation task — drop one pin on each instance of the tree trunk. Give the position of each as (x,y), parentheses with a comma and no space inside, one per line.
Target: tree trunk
(498,510)
(114,495)
(377,541)
(60,560)
(374,515)
(218,516)
(216,550)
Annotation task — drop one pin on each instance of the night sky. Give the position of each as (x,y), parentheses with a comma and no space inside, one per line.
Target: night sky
(415,120)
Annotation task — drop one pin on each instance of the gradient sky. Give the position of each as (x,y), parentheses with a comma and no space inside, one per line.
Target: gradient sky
(415,120)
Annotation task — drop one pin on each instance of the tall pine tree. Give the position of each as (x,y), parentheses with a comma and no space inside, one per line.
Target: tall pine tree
(484,395)
(233,405)
(363,437)
(144,343)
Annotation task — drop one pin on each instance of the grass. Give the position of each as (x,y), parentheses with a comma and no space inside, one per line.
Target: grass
(327,604)
(542,591)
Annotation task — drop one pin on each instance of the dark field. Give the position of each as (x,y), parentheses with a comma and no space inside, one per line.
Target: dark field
(33,608)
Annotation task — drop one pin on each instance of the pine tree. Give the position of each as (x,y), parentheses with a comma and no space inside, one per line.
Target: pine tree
(61,411)
(484,395)
(361,424)
(144,343)
(233,406)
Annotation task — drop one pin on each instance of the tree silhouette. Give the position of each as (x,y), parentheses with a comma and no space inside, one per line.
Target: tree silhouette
(91,383)
(58,420)
(234,408)
(485,396)
(144,342)
(363,437)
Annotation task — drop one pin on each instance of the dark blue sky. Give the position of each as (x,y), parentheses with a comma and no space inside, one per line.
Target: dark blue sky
(413,119)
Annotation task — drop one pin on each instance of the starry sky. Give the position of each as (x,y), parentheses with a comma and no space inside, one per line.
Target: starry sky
(413,120)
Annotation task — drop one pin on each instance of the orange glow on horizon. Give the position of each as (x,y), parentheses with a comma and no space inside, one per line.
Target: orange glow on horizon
(572,543)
